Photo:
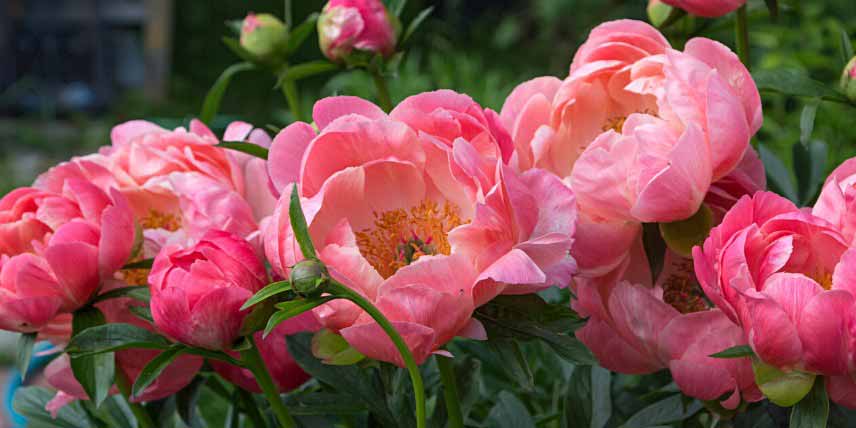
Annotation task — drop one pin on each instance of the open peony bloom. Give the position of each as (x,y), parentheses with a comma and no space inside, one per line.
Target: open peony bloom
(391,210)
(707,8)
(785,276)
(837,201)
(274,351)
(86,236)
(197,292)
(364,25)
(642,129)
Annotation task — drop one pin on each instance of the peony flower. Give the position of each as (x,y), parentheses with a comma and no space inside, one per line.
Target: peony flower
(197,292)
(837,201)
(364,25)
(389,207)
(274,351)
(90,237)
(784,276)
(707,8)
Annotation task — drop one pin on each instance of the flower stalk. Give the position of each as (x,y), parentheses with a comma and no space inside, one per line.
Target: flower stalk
(450,392)
(253,361)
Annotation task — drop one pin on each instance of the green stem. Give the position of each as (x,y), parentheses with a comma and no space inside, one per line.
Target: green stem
(342,291)
(253,361)
(289,89)
(450,392)
(248,403)
(741,34)
(143,418)
(382,90)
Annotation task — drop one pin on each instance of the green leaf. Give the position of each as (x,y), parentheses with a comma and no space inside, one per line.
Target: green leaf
(796,83)
(269,291)
(655,248)
(155,367)
(333,349)
(141,264)
(601,399)
(248,148)
(415,23)
(395,6)
(307,69)
(778,174)
(810,169)
(30,402)
(813,410)
(94,372)
(739,351)
(846,48)
(298,226)
(186,401)
(215,95)
(292,309)
(807,121)
(663,412)
(299,34)
(782,388)
(114,337)
(134,292)
(516,367)
(589,398)
(773,7)
(26,341)
(509,412)
(142,312)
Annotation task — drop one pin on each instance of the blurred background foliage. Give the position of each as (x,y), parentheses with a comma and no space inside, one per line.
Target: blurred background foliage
(481,47)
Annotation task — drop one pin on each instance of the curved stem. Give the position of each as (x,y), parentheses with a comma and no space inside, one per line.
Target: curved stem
(382,90)
(140,412)
(450,392)
(289,89)
(741,34)
(342,291)
(253,361)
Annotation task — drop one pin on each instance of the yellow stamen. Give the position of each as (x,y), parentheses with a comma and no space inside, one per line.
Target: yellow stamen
(401,236)
(823,278)
(616,124)
(158,220)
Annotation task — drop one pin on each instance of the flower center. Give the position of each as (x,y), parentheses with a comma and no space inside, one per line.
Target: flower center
(824,278)
(158,220)
(682,292)
(399,237)
(615,123)
(136,276)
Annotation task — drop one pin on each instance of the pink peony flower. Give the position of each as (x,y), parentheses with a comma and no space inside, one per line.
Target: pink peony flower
(837,201)
(197,292)
(389,207)
(707,8)
(283,369)
(90,237)
(364,25)
(783,275)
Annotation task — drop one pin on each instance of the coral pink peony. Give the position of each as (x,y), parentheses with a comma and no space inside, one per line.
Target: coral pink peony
(274,351)
(90,237)
(197,292)
(389,207)
(837,201)
(707,8)
(364,25)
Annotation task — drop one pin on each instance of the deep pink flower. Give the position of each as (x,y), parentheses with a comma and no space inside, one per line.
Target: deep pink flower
(283,369)
(90,238)
(197,292)
(364,25)
(707,8)
(837,201)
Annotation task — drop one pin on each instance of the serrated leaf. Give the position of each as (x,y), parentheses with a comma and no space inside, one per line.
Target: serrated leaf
(813,410)
(796,83)
(244,147)
(415,23)
(779,177)
(509,412)
(269,291)
(298,35)
(211,104)
(134,292)
(739,351)
(155,367)
(94,372)
(299,227)
(114,337)
(292,309)
(24,353)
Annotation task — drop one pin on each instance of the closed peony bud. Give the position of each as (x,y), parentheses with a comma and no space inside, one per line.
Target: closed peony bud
(363,25)
(307,277)
(263,35)
(658,12)
(848,79)
(197,292)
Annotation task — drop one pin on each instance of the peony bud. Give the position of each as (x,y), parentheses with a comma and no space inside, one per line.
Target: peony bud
(848,80)
(307,277)
(365,25)
(263,35)
(658,12)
